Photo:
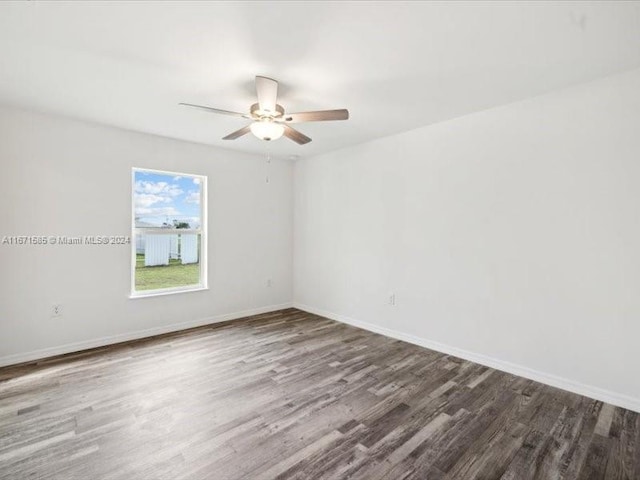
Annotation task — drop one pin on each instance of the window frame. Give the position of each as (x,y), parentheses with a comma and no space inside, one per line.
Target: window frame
(202,231)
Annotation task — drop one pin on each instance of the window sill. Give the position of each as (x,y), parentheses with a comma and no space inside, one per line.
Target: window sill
(169,291)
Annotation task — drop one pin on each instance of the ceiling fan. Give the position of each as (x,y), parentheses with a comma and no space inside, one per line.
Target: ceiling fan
(269,121)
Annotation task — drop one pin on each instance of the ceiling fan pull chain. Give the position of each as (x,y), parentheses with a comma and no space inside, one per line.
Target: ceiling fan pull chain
(268,163)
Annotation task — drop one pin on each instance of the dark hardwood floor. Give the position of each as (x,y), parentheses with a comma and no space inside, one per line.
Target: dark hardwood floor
(293,395)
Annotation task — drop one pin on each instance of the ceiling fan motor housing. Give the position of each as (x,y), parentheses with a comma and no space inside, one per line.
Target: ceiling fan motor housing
(257,113)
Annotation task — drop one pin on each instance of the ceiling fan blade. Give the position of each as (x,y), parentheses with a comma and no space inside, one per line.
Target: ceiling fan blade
(293,134)
(217,110)
(319,116)
(238,133)
(267,90)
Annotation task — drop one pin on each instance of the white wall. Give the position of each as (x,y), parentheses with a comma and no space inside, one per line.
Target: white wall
(510,236)
(63,177)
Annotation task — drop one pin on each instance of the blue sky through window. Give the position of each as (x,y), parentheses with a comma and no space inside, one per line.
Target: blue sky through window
(162,198)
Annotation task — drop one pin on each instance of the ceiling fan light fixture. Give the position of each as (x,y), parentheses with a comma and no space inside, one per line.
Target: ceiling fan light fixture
(267,130)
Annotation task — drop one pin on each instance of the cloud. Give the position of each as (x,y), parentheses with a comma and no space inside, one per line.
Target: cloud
(193,197)
(148,199)
(158,188)
(176,178)
(156,211)
(148,194)
(196,181)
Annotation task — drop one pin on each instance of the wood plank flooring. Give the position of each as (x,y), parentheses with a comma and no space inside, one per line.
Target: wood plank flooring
(290,395)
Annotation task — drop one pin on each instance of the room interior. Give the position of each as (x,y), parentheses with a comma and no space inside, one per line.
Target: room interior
(436,279)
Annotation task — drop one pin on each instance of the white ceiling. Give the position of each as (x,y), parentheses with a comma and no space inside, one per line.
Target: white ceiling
(396,66)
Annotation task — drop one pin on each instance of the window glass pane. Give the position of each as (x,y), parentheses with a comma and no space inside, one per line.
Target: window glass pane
(167,261)
(166,201)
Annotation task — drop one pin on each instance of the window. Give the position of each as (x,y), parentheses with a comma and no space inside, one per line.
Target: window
(169,232)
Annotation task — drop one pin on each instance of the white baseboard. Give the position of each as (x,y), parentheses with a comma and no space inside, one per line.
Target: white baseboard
(590,391)
(138,334)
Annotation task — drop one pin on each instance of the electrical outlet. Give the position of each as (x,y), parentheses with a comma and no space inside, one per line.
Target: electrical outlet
(56,310)
(392,299)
